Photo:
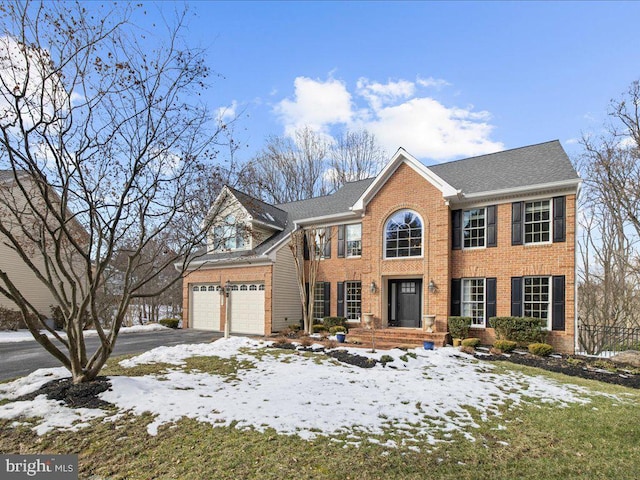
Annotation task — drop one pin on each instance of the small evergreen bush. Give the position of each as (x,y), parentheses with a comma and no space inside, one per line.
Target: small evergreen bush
(523,330)
(337,329)
(386,359)
(459,326)
(334,322)
(170,322)
(318,327)
(505,345)
(540,349)
(471,342)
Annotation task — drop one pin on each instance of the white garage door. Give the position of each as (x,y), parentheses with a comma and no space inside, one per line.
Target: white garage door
(205,306)
(247,308)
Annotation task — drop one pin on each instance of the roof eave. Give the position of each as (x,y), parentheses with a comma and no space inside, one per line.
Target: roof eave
(567,185)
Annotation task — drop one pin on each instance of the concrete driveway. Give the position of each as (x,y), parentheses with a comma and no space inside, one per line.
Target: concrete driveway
(21,358)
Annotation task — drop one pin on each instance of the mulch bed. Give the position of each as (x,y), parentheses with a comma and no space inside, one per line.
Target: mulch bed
(575,366)
(83,395)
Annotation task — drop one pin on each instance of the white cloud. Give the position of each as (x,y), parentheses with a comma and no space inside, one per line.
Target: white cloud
(397,112)
(226,114)
(317,104)
(432,82)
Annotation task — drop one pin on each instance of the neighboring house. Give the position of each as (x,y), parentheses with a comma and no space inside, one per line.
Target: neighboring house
(487,236)
(13,200)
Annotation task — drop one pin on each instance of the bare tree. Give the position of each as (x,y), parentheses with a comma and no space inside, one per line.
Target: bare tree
(610,224)
(105,150)
(310,165)
(288,169)
(355,156)
(308,247)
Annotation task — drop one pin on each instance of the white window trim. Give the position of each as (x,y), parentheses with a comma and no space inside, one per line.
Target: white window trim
(524,223)
(485,229)
(550,303)
(484,294)
(384,236)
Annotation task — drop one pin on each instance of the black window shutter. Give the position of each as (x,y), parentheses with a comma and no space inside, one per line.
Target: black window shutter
(559,222)
(456,230)
(516,296)
(490,298)
(340,311)
(327,300)
(492,227)
(557,315)
(305,246)
(327,244)
(516,223)
(341,241)
(456,294)
(309,294)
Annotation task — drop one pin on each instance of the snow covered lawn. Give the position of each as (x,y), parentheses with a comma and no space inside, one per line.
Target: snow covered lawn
(420,396)
(25,335)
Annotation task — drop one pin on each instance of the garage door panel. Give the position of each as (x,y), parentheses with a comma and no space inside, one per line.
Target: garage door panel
(205,306)
(247,309)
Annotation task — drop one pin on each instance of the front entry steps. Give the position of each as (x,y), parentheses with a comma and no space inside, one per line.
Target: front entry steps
(386,338)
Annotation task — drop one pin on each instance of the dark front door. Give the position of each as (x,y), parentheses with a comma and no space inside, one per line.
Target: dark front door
(405,298)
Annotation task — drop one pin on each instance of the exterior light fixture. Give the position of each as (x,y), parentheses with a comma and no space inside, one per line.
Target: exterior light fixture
(373,287)
(432,287)
(227,288)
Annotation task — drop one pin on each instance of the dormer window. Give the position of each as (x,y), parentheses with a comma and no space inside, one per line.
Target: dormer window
(229,235)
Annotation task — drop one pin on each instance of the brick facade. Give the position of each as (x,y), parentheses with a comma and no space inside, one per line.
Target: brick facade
(407,185)
(407,189)
(234,275)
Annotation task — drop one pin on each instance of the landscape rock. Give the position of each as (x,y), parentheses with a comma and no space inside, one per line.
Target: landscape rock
(628,357)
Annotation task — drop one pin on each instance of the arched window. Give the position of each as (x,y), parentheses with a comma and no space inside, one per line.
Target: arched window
(403,235)
(243,288)
(253,288)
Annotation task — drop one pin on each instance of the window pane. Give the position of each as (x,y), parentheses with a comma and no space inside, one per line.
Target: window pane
(354,240)
(537,224)
(473,228)
(318,301)
(403,233)
(353,298)
(473,300)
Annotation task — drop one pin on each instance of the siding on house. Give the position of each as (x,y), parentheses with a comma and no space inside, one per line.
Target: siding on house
(287,309)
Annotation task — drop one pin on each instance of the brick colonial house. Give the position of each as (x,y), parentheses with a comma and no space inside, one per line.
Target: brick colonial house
(492,235)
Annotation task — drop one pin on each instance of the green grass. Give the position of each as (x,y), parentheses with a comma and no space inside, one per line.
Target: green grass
(600,440)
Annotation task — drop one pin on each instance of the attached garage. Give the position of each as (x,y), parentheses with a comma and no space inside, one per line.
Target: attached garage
(247,308)
(205,306)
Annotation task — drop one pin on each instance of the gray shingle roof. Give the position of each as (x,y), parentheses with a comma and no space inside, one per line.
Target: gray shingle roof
(338,202)
(532,165)
(260,210)
(539,164)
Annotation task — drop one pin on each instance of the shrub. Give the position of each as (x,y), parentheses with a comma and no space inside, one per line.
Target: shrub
(295,327)
(505,345)
(170,322)
(467,349)
(11,319)
(318,327)
(540,349)
(331,344)
(306,341)
(459,326)
(522,330)
(337,329)
(58,317)
(329,322)
(471,342)
(386,359)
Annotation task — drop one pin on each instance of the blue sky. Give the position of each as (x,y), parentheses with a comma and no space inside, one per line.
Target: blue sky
(444,80)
